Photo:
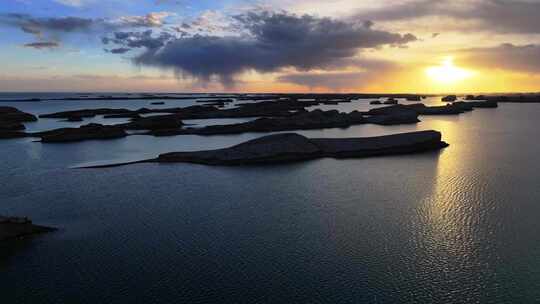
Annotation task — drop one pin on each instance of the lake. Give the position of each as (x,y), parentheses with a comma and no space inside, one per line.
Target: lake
(458,225)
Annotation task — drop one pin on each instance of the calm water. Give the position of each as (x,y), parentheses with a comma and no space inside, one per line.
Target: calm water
(456,226)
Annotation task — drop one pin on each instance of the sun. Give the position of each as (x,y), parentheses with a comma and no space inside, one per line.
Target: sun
(447,72)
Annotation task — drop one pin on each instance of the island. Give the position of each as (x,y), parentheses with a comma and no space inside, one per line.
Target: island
(11,122)
(269,116)
(293,147)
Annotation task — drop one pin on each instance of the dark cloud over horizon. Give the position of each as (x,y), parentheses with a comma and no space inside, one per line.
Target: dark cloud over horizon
(38,26)
(269,42)
(53,28)
(42,45)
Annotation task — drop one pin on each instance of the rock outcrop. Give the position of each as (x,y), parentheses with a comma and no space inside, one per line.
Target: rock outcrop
(100,132)
(414,98)
(290,147)
(449,98)
(13,228)
(158,122)
(516,98)
(302,120)
(85,113)
(421,109)
(476,104)
(11,122)
(262,109)
(10,114)
(86,132)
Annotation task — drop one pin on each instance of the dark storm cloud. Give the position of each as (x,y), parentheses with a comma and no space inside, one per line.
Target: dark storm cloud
(135,40)
(42,45)
(524,58)
(118,50)
(56,26)
(38,26)
(268,42)
(504,16)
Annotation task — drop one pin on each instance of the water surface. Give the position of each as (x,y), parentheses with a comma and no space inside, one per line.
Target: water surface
(455,226)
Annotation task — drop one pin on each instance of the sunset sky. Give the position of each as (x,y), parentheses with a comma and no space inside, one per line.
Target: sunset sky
(409,46)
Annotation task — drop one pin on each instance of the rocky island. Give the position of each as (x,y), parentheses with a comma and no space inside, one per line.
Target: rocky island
(275,115)
(301,120)
(11,122)
(291,147)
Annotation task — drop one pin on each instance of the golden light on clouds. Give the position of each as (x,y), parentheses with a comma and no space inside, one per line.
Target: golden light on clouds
(448,73)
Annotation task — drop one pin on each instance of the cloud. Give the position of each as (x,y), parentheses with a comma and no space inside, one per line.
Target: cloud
(520,58)
(38,26)
(42,45)
(133,40)
(502,16)
(149,20)
(55,26)
(118,50)
(266,42)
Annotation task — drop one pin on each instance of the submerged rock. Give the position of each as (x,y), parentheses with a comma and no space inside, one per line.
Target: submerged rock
(12,228)
(294,147)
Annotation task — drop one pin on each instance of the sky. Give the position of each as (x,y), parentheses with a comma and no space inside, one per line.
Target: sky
(376,46)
